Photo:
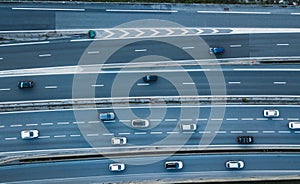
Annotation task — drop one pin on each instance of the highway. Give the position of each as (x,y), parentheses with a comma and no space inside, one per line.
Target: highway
(66,53)
(195,166)
(237,81)
(62,129)
(46,16)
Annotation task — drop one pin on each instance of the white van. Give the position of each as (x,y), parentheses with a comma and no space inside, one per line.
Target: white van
(294,125)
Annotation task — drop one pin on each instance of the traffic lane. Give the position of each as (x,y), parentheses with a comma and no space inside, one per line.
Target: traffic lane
(56,53)
(169,84)
(65,20)
(65,53)
(277,46)
(153,164)
(27,20)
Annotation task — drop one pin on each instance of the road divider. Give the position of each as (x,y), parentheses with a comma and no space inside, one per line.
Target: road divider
(74,104)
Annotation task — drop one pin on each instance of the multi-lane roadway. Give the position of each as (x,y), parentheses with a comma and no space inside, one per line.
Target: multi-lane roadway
(151,168)
(61,129)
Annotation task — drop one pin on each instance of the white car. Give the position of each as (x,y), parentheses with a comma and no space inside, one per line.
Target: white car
(29,134)
(294,125)
(188,126)
(271,113)
(118,140)
(173,165)
(117,167)
(234,164)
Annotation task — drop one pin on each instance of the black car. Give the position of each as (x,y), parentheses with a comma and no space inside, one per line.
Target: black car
(150,78)
(25,84)
(245,139)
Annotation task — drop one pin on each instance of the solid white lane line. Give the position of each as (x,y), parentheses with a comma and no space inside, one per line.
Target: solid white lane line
(252,132)
(26,43)
(143,11)
(232,119)
(268,132)
(44,137)
(2,126)
(94,52)
(236,132)
(59,136)
(125,133)
(46,123)
(143,84)
(278,119)
(92,122)
(172,132)
(261,119)
(202,119)
(282,44)
(188,83)
(185,48)
(48,9)
(63,123)
(140,133)
(277,82)
(247,119)
(10,138)
(75,135)
(220,132)
(284,132)
(155,132)
(50,87)
(18,125)
(140,50)
(185,119)
(216,119)
(293,119)
(92,135)
(234,82)
(155,119)
(97,85)
(234,12)
(170,119)
(79,122)
(33,124)
(108,134)
(45,55)
(5,89)
(204,132)
(233,46)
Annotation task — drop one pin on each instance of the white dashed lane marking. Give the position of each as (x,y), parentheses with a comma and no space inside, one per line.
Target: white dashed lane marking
(236,132)
(125,133)
(33,124)
(252,132)
(10,138)
(268,132)
(92,135)
(75,135)
(140,133)
(63,123)
(44,137)
(59,136)
(18,125)
(47,124)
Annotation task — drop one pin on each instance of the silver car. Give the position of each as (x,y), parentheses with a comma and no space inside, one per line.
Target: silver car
(118,140)
(188,126)
(140,123)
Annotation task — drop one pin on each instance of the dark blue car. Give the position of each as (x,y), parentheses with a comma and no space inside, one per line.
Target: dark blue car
(216,50)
